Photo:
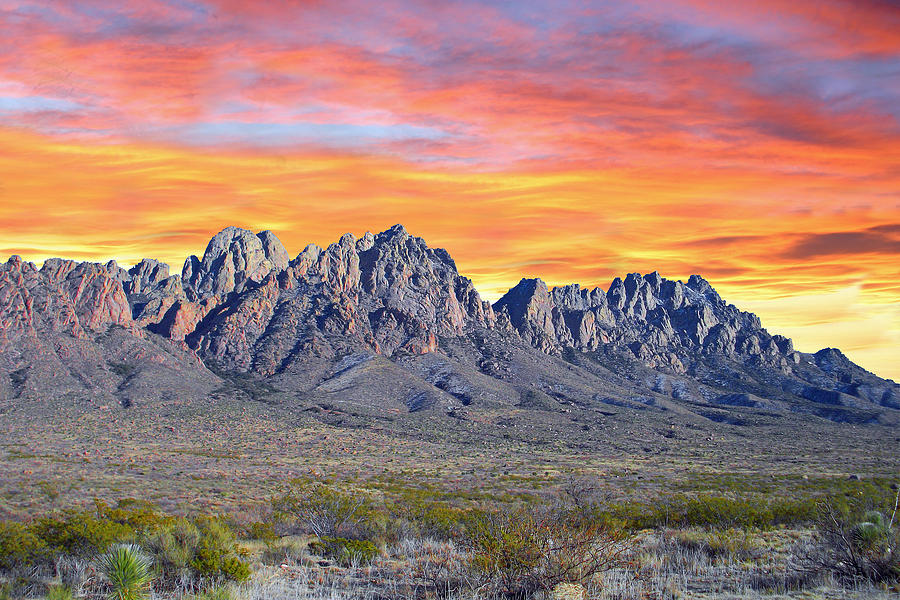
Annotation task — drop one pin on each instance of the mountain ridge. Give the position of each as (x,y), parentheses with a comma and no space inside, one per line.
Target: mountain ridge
(246,307)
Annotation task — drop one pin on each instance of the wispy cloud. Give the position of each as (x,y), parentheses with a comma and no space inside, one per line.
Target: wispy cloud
(757,144)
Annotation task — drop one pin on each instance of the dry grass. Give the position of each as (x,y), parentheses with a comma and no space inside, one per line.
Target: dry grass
(659,569)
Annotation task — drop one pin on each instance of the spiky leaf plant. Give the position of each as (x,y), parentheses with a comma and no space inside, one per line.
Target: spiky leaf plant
(127,569)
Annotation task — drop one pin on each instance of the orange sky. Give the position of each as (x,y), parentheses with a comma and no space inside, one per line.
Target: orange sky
(758,148)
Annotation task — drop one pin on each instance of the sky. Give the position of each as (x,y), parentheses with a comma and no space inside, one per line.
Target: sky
(757,144)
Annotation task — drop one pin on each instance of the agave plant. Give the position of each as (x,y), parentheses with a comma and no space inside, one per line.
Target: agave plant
(127,569)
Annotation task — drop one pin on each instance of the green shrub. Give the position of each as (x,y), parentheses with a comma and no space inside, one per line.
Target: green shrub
(263,531)
(520,552)
(83,533)
(215,554)
(19,546)
(325,510)
(871,531)
(706,510)
(204,548)
(344,551)
(127,570)
(80,533)
(429,518)
(234,569)
(172,548)
(715,543)
(139,515)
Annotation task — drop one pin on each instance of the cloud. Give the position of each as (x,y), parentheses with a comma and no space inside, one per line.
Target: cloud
(756,144)
(878,240)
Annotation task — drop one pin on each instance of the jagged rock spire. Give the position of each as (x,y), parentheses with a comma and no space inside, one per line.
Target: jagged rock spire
(233,257)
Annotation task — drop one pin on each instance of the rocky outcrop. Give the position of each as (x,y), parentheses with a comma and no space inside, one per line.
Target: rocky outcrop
(145,276)
(233,258)
(665,324)
(152,291)
(63,296)
(388,293)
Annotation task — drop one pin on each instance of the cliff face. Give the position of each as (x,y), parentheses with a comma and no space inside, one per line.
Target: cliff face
(246,307)
(665,324)
(62,297)
(71,330)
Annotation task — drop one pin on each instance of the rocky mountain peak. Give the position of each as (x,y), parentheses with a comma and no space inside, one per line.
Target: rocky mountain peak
(703,287)
(529,300)
(665,324)
(145,275)
(384,292)
(64,296)
(233,257)
(395,231)
(245,306)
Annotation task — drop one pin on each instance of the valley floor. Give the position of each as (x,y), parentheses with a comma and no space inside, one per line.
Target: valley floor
(233,457)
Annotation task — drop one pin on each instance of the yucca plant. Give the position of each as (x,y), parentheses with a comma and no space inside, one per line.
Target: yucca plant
(871,530)
(127,569)
(860,549)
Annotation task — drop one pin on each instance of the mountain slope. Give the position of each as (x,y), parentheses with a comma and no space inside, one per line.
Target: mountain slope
(385,324)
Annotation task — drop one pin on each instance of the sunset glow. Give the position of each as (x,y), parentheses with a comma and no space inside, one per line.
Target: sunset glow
(759,147)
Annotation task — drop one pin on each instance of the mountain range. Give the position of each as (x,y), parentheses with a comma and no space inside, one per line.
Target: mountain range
(383,325)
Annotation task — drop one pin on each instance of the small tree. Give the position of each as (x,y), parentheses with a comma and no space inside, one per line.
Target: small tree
(325,511)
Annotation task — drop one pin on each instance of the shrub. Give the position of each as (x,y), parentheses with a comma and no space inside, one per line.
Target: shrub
(440,566)
(127,570)
(179,549)
(80,533)
(345,552)
(214,556)
(520,552)
(324,510)
(138,515)
(172,548)
(859,545)
(204,548)
(705,510)
(19,547)
(716,543)
(428,518)
(263,531)
(234,569)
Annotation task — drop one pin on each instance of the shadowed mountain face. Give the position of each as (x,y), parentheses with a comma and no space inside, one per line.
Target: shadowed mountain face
(386,324)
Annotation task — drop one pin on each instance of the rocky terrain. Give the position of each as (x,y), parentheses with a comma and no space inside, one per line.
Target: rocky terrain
(386,325)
